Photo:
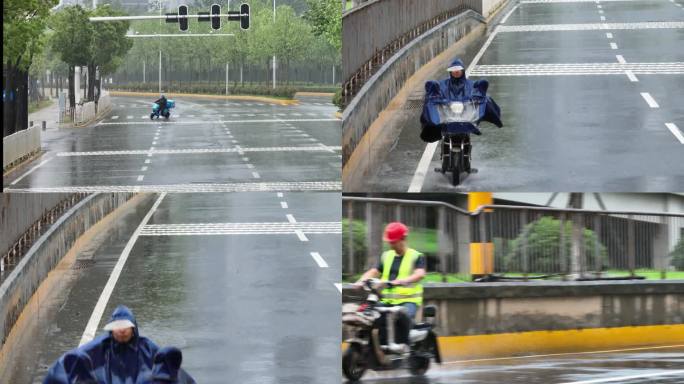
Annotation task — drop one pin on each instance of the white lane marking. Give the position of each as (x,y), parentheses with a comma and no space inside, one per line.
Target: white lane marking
(609,35)
(250,166)
(422,169)
(319,260)
(147,161)
(505,18)
(622,379)
(603,18)
(273,228)
(256,175)
(154,142)
(600,11)
(144,117)
(675,131)
(569,1)
(245,159)
(339,287)
(290,218)
(419,175)
(599,6)
(562,354)
(141,177)
(221,121)
(301,235)
(332,185)
(283,204)
(590,26)
(115,117)
(631,76)
(18,179)
(98,311)
(613,46)
(143,169)
(578,69)
(129,117)
(201,150)
(650,100)
(621,59)
(279,194)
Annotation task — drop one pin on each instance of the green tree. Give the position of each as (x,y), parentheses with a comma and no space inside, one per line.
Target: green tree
(326,18)
(71,40)
(677,255)
(543,243)
(23,23)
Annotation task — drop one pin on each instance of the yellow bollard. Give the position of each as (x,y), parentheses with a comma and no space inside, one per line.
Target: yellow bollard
(481,250)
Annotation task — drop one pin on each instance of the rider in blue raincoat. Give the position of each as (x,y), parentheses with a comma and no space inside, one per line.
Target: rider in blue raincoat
(457,87)
(167,368)
(72,368)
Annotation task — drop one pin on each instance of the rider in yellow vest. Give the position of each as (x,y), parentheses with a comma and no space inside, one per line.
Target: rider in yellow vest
(404,267)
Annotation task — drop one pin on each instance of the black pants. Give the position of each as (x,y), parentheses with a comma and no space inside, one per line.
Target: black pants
(402,327)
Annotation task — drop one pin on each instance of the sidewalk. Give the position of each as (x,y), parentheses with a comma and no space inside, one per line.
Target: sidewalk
(48,114)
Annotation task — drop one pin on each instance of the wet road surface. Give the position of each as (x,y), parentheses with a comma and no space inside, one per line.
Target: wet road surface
(243,283)
(662,366)
(589,92)
(207,145)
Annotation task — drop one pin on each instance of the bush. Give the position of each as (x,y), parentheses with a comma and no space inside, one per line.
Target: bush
(543,239)
(211,89)
(677,255)
(337,99)
(360,245)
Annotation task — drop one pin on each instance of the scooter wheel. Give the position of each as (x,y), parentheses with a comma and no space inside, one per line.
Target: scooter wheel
(418,365)
(353,363)
(151,116)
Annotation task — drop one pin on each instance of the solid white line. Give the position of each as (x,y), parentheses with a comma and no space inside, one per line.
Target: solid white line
(319,260)
(621,59)
(503,21)
(562,354)
(290,218)
(623,378)
(283,204)
(301,235)
(181,151)
(422,169)
(331,185)
(96,316)
(613,46)
(675,131)
(141,177)
(650,100)
(631,76)
(30,171)
(591,26)
(339,287)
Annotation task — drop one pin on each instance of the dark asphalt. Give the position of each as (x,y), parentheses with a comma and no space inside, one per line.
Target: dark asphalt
(207,144)
(585,132)
(255,308)
(616,367)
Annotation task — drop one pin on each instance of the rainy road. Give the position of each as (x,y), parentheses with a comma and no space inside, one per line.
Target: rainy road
(207,145)
(654,366)
(243,283)
(590,93)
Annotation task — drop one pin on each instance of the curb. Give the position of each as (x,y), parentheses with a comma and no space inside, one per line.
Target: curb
(203,96)
(315,94)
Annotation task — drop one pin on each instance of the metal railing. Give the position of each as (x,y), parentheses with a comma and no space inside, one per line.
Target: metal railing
(528,242)
(372,33)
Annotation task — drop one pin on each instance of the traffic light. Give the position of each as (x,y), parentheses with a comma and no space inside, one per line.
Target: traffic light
(244,16)
(183,21)
(215,18)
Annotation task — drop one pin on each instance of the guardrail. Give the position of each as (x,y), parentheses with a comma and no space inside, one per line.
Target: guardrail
(19,146)
(526,242)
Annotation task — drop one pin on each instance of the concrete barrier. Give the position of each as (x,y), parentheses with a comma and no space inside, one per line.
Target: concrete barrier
(19,146)
(84,113)
(503,319)
(16,290)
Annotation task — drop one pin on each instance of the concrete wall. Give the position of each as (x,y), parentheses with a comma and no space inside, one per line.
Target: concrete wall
(497,308)
(16,290)
(383,86)
(86,113)
(20,145)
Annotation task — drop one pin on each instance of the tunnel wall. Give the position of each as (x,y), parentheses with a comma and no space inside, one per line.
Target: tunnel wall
(383,86)
(466,309)
(16,290)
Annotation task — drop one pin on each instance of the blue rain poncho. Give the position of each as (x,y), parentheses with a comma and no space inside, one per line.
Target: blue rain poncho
(457,105)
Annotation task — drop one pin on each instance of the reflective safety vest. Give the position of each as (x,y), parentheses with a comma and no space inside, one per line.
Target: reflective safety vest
(404,294)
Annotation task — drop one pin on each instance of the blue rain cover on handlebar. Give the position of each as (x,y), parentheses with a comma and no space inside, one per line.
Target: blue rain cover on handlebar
(456,106)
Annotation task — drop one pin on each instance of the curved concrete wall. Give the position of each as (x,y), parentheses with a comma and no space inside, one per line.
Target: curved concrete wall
(16,290)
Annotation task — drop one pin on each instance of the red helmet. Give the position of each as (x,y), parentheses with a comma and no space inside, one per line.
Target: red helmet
(395,231)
